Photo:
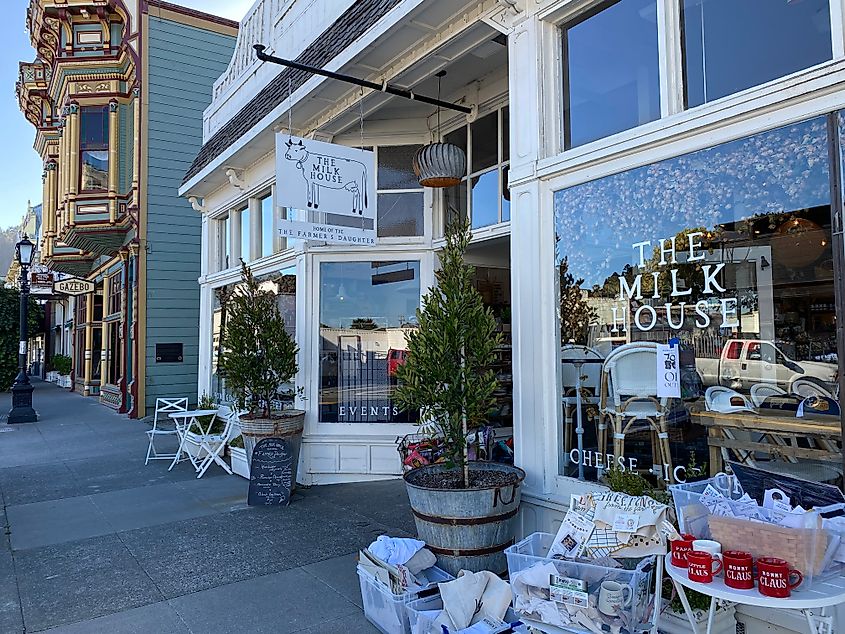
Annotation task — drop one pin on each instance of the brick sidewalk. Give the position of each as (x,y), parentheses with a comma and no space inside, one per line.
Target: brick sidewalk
(97,542)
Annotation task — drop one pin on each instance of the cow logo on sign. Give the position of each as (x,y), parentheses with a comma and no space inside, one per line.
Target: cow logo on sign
(330,172)
(329,191)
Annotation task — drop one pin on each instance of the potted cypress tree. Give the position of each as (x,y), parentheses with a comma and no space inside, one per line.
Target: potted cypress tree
(258,360)
(464,510)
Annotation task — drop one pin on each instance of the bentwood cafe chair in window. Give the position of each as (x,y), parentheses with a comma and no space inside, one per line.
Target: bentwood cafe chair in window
(629,401)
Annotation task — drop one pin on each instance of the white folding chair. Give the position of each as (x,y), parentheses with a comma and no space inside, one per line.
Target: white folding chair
(164,406)
(215,444)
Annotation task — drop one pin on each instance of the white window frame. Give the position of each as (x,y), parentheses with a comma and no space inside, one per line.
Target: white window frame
(311,339)
(501,226)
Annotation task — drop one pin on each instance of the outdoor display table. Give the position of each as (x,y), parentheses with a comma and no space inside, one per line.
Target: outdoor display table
(815,603)
(782,427)
(187,421)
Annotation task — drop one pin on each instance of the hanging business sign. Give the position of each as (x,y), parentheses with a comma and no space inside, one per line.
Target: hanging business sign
(332,189)
(73,286)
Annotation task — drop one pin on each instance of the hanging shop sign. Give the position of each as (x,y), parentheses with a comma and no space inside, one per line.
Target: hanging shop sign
(41,282)
(73,286)
(332,189)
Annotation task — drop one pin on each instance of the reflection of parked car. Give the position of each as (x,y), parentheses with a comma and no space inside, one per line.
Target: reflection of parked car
(395,358)
(745,362)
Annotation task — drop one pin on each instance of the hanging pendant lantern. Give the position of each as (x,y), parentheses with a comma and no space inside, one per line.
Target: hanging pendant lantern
(440,165)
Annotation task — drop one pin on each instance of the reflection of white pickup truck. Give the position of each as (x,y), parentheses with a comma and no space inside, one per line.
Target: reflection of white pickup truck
(745,362)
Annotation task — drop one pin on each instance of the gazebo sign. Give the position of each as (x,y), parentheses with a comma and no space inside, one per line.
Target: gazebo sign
(331,188)
(73,286)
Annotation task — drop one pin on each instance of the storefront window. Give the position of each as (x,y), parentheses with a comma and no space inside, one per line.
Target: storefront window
(366,312)
(611,79)
(730,46)
(283,286)
(725,255)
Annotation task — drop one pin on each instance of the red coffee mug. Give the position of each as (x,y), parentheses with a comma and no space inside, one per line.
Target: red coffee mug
(700,566)
(739,569)
(774,577)
(680,549)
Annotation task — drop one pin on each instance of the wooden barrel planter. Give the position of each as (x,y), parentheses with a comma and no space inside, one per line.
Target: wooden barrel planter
(467,529)
(287,424)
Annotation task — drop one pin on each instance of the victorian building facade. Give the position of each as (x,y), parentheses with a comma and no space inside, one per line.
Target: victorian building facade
(116,95)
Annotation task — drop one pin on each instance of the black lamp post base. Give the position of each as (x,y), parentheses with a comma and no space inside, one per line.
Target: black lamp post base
(22,411)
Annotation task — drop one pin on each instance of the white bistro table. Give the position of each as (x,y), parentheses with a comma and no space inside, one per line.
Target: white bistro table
(187,421)
(814,603)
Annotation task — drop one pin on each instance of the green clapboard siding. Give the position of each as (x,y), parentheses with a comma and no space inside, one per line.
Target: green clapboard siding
(173,228)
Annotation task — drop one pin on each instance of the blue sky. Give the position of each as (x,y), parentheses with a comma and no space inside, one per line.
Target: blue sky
(20,166)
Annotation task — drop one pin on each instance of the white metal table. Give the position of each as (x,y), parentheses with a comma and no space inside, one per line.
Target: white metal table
(185,422)
(579,429)
(814,603)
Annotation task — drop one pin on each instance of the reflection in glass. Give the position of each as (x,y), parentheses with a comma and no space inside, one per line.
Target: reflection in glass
(395,167)
(458,137)
(455,203)
(400,214)
(730,46)
(611,78)
(485,142)
(366,312)
(245,222)
(728,251)
(95,169)
(485,199)
(267,226)
(281,284)
(506,195)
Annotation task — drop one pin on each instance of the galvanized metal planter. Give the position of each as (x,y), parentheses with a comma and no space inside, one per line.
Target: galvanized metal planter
(440,165)
(467,529)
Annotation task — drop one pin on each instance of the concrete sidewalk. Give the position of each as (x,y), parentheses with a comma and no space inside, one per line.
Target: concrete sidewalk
(97,542)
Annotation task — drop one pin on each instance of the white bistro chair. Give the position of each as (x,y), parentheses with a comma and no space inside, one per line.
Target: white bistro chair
(761,391)
(809,387)
(215,444)
(164,406)
(629,400)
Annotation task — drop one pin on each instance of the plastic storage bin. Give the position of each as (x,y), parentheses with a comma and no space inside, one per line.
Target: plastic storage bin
(386,610)
(422,612)
(636,574)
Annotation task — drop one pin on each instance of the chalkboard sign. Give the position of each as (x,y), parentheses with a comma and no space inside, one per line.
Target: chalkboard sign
(271,473)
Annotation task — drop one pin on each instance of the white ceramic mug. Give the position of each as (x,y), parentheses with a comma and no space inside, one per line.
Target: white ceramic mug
(613,597)
(708,546)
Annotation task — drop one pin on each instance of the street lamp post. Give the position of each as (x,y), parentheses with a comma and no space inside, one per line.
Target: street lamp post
(22,411)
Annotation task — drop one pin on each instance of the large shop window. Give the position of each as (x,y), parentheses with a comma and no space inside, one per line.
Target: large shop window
(94,148)
(400,197)
(366,312)
(283,285)
(487,199)
(611,79)
(723,256)
(730,46)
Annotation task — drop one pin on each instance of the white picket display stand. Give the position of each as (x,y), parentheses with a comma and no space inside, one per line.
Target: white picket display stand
(815,603)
